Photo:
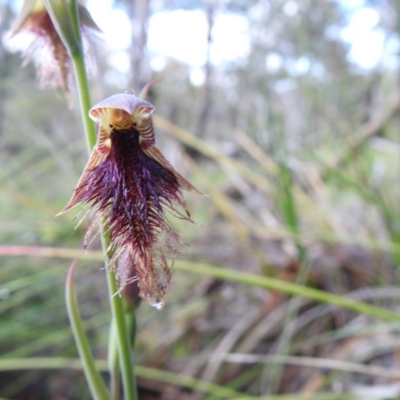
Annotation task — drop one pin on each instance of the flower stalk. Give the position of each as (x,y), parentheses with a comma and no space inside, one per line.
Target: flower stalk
(122,339)
(118,318)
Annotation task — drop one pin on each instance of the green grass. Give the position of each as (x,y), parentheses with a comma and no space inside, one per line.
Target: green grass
(289,257)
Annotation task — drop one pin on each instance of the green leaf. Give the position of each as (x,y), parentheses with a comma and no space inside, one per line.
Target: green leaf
(95,382)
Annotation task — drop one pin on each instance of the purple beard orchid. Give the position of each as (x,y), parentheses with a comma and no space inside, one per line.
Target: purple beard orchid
(36,36)
(129,185)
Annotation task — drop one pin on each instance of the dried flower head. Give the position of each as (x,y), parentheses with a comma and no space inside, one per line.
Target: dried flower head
(130,185)
(35,34)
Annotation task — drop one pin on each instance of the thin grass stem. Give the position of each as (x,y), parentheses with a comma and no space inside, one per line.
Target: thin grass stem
(93,378)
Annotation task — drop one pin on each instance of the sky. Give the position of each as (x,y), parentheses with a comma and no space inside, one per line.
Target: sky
(181,35)
(368,42)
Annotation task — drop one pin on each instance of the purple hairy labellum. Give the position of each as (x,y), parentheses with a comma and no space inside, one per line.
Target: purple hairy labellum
(129,186)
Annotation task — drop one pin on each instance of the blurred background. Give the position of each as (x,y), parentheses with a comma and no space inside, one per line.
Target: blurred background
(287,114)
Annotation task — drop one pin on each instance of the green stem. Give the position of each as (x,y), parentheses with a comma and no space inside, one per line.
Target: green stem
(290,215)
(93,378)
(226,274)
(122,338)
(84,100)
(289,211)
(113,364)
(52,363)
(78,61)
(131,320)
(290,288)
(115,301)
(73,9)
(124,347)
